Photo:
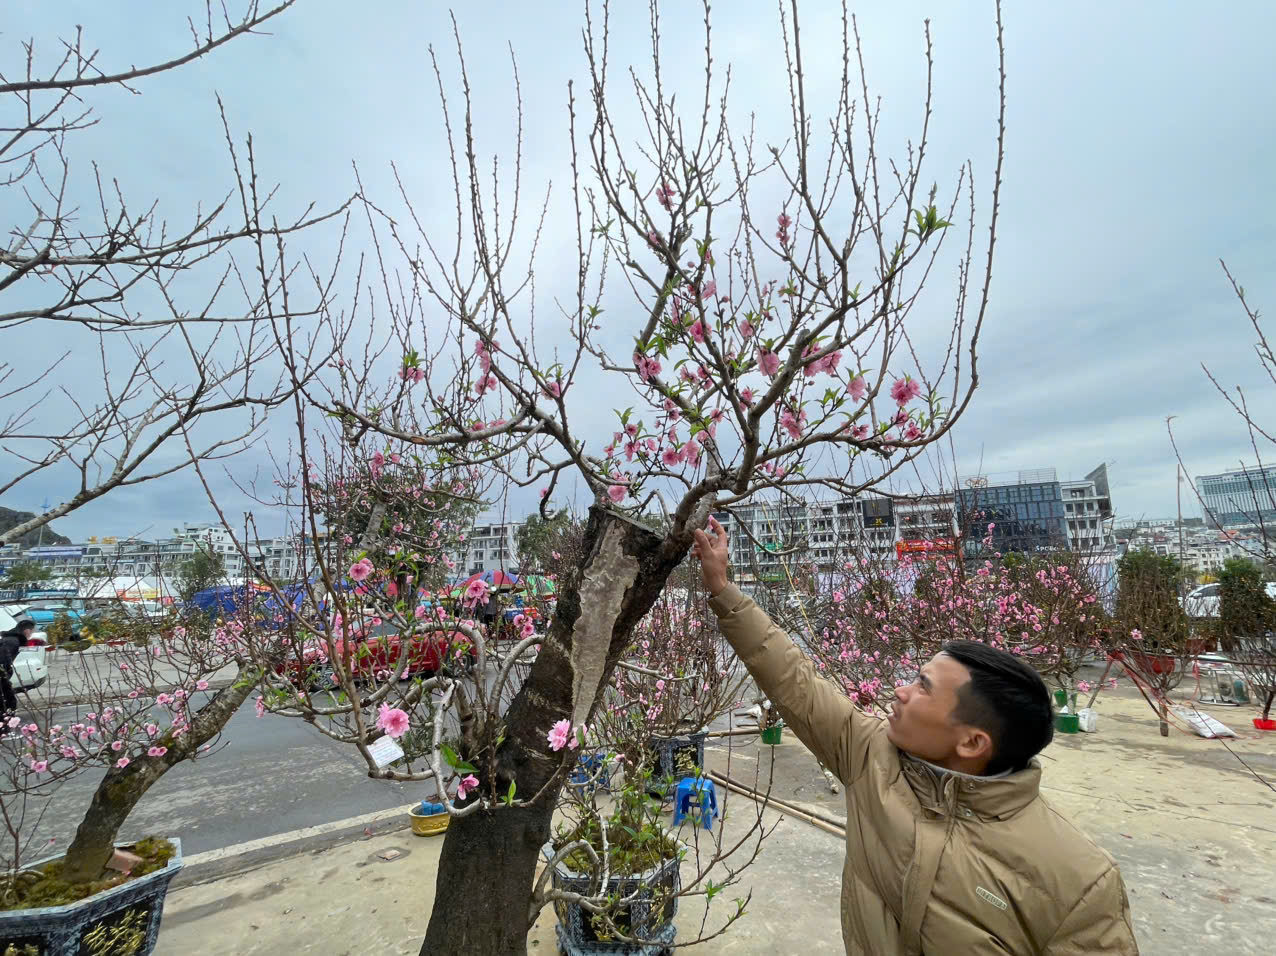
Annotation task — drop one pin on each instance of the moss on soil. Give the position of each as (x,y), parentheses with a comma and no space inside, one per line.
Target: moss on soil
(631,850)
(45,886)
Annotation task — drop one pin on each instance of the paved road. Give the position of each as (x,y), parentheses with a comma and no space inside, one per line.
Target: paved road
(269,775)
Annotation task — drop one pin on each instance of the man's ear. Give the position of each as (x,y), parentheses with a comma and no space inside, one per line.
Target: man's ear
(974,744)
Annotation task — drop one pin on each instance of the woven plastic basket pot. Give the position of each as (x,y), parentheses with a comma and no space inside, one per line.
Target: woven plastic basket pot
(650,915)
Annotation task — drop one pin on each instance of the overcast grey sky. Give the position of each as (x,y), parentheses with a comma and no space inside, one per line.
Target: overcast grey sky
(1141,140)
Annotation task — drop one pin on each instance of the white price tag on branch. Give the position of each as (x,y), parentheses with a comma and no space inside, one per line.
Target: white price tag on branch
(385,751)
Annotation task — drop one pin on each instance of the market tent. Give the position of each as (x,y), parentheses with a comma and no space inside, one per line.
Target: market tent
(495,579)
(129,589)
(537,585)
(227,599)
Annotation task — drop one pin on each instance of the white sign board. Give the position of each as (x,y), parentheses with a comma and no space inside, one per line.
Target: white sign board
(385,751)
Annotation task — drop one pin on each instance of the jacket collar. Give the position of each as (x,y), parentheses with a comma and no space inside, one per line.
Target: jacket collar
(948,792)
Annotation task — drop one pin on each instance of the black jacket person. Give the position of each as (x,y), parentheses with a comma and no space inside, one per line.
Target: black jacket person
(10,642)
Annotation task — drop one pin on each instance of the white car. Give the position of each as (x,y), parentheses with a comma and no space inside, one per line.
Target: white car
(1206,600)
(1203,601)
(30,669)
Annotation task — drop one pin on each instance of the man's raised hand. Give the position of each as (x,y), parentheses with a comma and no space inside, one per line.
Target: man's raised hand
(712,550)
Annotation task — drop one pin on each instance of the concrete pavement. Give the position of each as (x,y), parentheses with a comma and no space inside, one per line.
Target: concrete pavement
(349,900)
(73,675)
(1193,830)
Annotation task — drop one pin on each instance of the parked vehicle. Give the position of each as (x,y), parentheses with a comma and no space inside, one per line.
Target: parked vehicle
(1206,600)
(30,669)
(45,614)
(1203,601)
(143,608)
(381,653)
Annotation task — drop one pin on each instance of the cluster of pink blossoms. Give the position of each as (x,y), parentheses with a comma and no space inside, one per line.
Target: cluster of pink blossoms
(115,735)
(561,735)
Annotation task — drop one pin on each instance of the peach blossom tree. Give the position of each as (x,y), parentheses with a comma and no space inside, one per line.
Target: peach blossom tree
(757,317)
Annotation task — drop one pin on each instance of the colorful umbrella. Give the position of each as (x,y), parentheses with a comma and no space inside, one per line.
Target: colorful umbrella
(495,579)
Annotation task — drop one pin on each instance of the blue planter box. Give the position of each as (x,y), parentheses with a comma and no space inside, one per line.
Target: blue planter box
(649,919)
(123,919)
(592,772)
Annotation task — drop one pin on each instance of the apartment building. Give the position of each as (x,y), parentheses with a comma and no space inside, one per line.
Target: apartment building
(1243,497)
(1087,510)
(491,544)
(107,556)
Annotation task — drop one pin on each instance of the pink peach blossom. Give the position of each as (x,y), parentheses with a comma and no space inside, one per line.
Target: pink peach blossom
(475,593)
(467,783)
(392,720)
(559,734)
(904,390)
(793,424)
(768,362)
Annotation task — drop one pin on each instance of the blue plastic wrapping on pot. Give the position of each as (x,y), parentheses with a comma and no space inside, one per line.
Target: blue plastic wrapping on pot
(429,809)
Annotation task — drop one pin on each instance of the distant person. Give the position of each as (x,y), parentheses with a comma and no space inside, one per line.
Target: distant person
(491,611)
(10,641)
(950,847)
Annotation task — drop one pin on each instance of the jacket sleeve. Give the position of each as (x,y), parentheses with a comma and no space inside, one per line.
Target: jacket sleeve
(823,718)
(1099,923)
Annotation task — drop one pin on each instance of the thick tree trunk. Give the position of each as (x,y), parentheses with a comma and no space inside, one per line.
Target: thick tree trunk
(484,883)
(113,801)
(121,789)
(483,890)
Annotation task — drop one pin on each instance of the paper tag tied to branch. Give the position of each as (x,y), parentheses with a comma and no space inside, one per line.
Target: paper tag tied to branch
(385,751)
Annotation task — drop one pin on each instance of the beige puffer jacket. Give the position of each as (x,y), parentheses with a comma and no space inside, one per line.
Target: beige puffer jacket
(936,862)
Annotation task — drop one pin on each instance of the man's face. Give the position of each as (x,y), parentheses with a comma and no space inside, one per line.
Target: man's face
(921,720)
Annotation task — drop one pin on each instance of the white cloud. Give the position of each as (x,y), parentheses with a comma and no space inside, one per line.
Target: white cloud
(1139,152)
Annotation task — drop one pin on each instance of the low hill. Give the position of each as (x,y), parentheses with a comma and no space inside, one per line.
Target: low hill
(11,519)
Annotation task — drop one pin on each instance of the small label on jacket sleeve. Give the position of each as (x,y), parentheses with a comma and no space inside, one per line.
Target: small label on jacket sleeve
(987,897)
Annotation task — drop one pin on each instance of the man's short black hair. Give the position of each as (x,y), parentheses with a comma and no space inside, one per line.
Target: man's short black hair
(1006,698)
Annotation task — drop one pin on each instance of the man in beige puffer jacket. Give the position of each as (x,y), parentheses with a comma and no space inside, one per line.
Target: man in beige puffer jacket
(950,847)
